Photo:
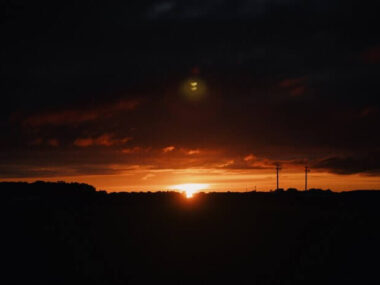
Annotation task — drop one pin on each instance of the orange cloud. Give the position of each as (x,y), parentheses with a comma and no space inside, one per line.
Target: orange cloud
(135,149)
(148,176)
(249,157)
(168,148)
(248,162)
(226,164)
(75,116)
(193,151)
(103,140)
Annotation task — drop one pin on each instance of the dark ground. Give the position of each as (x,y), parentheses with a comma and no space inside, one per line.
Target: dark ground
(70,234)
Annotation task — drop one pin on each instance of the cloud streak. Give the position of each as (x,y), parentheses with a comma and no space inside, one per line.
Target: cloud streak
(78,116)
(103,140)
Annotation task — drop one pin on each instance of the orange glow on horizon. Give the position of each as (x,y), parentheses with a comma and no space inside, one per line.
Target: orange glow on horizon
(190,188)
(211,179)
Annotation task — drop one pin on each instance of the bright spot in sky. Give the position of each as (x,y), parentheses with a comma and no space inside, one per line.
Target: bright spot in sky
(193,89)
(194,86)
(190,188)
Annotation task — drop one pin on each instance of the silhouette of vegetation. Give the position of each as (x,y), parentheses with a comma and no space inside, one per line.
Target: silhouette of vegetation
(59,233)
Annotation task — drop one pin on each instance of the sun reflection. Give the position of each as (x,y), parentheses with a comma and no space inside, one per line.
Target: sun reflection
(189,188)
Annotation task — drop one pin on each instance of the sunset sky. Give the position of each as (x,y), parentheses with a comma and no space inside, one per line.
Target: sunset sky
(144,95)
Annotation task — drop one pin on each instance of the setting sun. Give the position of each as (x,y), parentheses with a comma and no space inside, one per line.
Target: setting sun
(190,188)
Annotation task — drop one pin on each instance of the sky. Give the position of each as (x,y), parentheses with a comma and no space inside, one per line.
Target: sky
(143,95)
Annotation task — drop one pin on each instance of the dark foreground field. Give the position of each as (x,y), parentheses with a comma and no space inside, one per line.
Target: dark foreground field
(70,234)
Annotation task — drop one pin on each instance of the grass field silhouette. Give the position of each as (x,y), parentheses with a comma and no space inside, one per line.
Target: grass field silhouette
(58,233)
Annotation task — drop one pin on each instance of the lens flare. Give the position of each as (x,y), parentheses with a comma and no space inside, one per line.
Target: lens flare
(194,86)
(193,89)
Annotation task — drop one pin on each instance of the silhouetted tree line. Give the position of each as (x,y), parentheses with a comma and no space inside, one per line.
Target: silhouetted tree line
(69,233)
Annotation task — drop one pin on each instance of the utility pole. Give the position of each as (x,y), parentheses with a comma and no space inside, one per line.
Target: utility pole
(307,169)
(278,168)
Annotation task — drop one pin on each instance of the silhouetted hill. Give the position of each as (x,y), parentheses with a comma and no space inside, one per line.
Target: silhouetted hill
(58,233)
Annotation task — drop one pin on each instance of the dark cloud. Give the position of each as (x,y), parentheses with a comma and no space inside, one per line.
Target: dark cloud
(365,164)
(77,116)
(371,55)
(103,140)
(33,171)
(286,81)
